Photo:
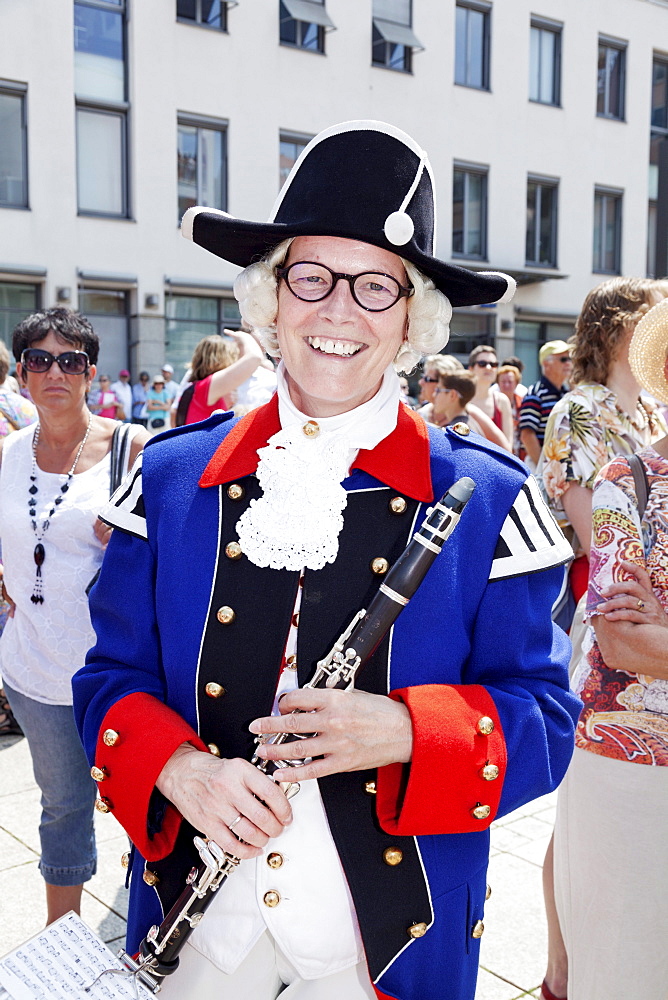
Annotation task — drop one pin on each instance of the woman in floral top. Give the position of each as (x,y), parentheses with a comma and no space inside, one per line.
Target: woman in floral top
(602,416)
(611,851)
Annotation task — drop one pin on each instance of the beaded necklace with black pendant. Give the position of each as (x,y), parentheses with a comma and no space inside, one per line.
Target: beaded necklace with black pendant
(39,553)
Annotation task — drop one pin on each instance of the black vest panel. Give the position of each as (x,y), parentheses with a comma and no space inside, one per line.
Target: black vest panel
(245,657)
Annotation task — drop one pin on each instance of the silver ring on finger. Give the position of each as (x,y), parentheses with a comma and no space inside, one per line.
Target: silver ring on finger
(231,826)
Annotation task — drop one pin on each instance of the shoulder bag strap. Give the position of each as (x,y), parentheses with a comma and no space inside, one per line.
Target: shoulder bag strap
(184,403)
(637,467)
(120,443)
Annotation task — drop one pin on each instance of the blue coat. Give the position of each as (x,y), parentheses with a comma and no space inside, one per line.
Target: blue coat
(475,643)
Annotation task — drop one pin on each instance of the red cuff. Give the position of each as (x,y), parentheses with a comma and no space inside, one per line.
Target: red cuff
(137,737)
(454,781)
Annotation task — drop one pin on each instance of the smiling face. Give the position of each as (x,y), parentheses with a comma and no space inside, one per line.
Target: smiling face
(335,352)
(54,390)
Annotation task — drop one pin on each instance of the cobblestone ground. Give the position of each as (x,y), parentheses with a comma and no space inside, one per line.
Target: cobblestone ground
(513,946)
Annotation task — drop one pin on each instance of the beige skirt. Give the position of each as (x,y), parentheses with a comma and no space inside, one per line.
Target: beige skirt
(611,878)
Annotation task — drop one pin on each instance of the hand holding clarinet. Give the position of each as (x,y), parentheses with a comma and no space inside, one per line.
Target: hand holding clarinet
(236,804)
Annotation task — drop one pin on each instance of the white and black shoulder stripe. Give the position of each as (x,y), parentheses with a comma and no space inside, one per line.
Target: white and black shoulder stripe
(530,539)
(125,509)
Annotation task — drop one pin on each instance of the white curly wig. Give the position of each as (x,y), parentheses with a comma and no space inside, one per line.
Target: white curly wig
(429,311)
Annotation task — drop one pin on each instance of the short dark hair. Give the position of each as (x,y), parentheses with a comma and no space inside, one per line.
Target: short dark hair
(515,362)
(480,349)
(67,325)
(464,384)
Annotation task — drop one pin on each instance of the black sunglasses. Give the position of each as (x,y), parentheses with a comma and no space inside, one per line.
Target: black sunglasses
(426,378)
(34,359)
(487,364)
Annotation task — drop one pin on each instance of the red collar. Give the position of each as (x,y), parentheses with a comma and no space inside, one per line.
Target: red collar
(401,459)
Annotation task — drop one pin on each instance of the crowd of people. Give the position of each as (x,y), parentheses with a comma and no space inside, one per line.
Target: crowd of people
(278,512)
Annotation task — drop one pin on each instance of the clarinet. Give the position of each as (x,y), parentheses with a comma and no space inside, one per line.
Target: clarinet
(159,951)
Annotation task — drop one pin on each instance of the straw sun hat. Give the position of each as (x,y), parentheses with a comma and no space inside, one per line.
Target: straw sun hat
(647,354)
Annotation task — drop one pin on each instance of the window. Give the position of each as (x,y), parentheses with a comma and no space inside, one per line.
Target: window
(17,300)
(392,37)
(469,212)
(290,149)
(108,311)
(658,137)
(472,45)
(102,109)
(303,23)
(611,79)
(467,330)
(607,231)
(192,317)
(530,335)
(207,13)
(202,164)
(541,243)
(545,63)
(13,146)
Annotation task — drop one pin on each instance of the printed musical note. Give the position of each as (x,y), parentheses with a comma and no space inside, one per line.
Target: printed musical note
(60,962)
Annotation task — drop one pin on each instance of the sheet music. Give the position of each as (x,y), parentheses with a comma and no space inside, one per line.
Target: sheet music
(59,962)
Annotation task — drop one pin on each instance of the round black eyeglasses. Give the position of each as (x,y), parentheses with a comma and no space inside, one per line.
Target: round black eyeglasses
(34,359)
(372,290)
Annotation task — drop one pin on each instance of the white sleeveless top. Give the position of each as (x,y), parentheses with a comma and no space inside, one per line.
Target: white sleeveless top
(44,644)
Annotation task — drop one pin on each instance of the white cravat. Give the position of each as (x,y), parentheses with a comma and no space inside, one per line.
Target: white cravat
(297,521)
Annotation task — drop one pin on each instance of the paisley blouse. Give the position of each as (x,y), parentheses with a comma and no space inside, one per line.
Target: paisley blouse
(625,715)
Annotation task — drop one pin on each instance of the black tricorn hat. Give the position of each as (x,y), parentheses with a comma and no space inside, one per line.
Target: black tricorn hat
(360,180)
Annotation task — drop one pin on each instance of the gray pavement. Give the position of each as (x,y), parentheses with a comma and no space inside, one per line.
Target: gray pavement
(513,946)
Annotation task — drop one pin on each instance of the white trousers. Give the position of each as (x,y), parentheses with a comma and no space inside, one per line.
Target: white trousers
(263,975)
(611,878)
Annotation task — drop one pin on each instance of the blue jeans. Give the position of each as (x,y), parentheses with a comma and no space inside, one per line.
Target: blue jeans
(68,792)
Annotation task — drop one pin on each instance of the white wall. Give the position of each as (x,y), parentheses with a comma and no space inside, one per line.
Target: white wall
(246,78)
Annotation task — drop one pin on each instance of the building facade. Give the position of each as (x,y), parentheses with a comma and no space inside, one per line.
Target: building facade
(545,122)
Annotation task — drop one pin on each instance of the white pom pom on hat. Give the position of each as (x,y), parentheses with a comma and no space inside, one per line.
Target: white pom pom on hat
(399,228)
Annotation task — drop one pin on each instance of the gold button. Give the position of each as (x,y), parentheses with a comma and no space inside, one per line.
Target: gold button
(379,565)
(478,929)
(275,860)
(213,749)
(291,662)
(125,860)
(214,690)
(225,615)
(150,877)
(235,491)
(110,737)
(295,619)
(461,428)
(311,429)
(488,892)
(103,805)
(417,930)
(98,773)
(398,505)
(370,787)
(393,856)
(490,772)
(233,550)
(481,812)
(271,898)
(485,726)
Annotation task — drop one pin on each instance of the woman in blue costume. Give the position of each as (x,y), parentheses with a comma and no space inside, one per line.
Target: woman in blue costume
(246,547)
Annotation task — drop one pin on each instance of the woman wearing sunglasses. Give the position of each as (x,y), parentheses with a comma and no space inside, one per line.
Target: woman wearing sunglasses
(54,479)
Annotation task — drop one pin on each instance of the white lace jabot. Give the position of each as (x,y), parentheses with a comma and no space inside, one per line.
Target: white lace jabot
(297,521)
